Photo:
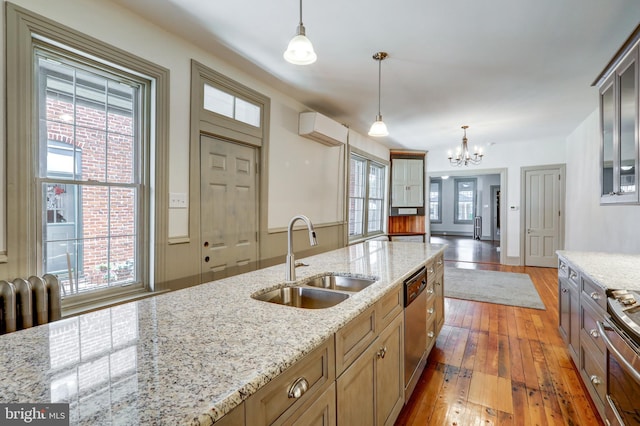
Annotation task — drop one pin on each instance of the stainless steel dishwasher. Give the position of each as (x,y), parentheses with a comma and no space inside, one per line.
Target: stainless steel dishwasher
(415,329)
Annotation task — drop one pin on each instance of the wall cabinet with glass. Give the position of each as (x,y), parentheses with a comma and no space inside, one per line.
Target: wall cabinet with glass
(407,183)
(619,116)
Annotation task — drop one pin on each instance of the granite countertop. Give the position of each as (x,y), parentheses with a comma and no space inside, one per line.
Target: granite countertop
(608,270)
(190,356)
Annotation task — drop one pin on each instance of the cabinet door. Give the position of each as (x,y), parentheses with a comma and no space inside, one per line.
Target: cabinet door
(407,186)
(564,310)
(319,412)
(355,389)
(390,372)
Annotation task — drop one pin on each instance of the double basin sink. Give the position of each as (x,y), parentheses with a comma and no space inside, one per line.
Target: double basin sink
(317,293)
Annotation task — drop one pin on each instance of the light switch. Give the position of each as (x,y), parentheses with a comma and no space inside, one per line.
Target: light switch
(177,200)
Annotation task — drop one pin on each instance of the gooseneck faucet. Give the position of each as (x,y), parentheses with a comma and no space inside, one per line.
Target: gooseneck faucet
(290,273)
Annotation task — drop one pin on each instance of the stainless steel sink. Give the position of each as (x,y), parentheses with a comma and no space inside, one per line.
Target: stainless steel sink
(302,297)
(340,282)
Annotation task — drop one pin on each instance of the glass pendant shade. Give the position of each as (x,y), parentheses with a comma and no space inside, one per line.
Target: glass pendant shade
(300,50)
(378,128)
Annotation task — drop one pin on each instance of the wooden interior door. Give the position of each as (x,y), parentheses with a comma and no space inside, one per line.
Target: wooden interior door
(542,216)
(228,208)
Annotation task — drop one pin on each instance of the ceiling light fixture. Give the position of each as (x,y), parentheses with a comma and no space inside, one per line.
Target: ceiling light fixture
(300,50)
(463,156)
(378,128)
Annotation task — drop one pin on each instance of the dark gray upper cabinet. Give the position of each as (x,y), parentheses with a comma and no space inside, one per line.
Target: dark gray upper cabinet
(618,87)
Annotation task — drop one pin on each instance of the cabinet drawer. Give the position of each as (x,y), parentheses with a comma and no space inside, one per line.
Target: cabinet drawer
(354,338)
(594,292)
(271,401)
(563,268)
(389,307)
(589,329)
(593,373)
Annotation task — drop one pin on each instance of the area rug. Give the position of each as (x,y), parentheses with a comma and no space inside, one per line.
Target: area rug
(504,288)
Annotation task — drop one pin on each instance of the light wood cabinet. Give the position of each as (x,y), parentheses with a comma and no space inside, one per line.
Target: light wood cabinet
(281,398)
(234,418)
(618,87)
(371,391)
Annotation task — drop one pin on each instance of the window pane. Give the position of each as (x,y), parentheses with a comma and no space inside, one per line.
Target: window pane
(434,201)
(218,101)
(356,216)
(376,181)
(120,159)
(356,180)
(375,216)
(464,200)
(247,112)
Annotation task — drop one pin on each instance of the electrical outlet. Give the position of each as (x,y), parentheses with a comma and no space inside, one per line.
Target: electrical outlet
(177,200)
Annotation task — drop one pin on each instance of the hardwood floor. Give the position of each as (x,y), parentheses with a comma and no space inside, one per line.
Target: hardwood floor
(501,365)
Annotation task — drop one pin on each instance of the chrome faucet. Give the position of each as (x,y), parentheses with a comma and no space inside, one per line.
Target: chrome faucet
(290,273)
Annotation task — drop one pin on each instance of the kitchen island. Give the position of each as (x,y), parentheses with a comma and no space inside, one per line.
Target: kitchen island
(191,356)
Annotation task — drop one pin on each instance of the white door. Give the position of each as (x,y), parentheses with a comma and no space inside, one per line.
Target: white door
(228,208)
(543,215)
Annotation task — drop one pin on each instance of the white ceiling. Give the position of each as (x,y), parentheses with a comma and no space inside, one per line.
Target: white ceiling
(513,70)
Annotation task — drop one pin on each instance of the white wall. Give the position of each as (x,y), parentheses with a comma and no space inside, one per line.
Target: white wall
(590,226)
(304,176)
(513,157)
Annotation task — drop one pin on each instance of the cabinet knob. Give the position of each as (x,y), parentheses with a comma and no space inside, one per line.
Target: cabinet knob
(430,334)
(439,261)
(298,388)
(430,311)
(563,266)
(430,290)
(382,352)
(564,290)
(594,333)
(595,296)
(595,380)
(573,275)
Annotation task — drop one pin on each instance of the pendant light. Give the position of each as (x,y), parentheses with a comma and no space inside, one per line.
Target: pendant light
(378,128)
(300,50)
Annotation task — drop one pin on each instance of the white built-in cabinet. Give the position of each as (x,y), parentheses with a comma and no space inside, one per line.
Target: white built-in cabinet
(407,182)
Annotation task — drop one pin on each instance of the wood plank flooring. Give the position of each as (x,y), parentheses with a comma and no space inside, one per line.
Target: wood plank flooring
(501,365)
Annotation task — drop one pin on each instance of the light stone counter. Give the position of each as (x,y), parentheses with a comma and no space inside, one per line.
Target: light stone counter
(608,270)
(192,354)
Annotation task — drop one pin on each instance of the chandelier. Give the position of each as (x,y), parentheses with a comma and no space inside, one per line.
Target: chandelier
(463,156)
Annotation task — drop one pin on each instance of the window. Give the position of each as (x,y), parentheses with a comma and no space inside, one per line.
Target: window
(223,103)
(89,171)
(435,200)
(87,121)
(366,197)
(464,203)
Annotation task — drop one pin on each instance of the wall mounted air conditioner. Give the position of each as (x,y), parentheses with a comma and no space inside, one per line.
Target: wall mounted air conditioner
(320,128)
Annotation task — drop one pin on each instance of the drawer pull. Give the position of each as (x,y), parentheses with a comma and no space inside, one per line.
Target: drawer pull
(573,275)
(431,270)
(298,388)
(430,311)
(564,290)
(595,380)
(595,296)
(563,266)
(430,334)
(382,352)
(439,262)
(594,333)
(430,290)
